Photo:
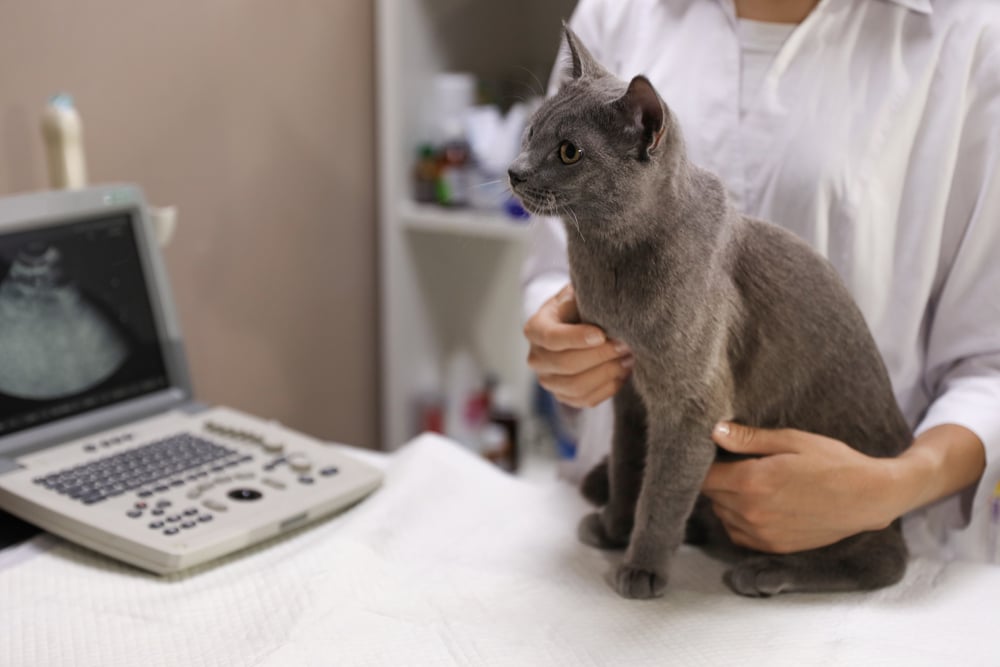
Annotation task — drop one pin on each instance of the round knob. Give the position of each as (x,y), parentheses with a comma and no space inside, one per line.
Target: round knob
(299,462)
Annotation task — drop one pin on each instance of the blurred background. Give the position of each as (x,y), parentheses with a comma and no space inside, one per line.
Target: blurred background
(255,119)
(347,255)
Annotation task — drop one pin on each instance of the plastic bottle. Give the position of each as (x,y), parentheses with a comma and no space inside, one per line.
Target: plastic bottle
(62,131)
(454,94)
(462,382)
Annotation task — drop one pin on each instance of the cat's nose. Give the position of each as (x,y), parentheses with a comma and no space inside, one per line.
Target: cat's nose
(515,177)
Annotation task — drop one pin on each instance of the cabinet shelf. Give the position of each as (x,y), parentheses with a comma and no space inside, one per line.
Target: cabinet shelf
(462,222)
(449,280)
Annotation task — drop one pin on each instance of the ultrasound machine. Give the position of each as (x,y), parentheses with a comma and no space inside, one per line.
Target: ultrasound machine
(101,438)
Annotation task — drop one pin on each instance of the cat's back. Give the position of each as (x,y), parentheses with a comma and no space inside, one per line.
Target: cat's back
(781,275)
(802,352)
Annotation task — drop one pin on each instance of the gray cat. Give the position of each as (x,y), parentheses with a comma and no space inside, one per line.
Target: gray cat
(729,318)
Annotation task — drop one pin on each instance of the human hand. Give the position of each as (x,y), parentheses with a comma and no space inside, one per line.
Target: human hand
(576,362)
(805,491)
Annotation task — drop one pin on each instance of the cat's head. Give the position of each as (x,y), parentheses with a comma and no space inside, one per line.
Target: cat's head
(592,150)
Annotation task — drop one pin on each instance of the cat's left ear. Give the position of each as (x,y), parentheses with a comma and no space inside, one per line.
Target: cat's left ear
(642,107)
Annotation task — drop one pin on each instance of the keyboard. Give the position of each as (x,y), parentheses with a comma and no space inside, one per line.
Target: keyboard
(179,490)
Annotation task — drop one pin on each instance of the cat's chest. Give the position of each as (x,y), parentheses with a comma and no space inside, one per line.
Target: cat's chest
(610,294)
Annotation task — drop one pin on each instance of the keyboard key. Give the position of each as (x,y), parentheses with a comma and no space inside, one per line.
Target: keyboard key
(150,468)
(215,505)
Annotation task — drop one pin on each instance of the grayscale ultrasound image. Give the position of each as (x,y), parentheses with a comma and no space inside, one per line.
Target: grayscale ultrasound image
(53,341)
(77,326)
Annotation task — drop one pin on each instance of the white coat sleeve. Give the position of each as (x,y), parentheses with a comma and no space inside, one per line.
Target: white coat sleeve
(963,345)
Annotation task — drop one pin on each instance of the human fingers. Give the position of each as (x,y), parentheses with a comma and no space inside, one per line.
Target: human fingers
(556,326)
(723,478)
(590,387)
(747,533)
(742,439)
(572,362)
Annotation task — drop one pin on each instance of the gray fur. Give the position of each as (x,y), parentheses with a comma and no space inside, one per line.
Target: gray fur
(728,318)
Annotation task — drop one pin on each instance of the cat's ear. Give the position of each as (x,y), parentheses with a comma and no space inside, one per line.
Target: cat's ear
(643,109)
(582,64)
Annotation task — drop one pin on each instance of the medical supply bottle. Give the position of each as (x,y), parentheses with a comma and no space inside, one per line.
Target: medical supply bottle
(453,93)
(62,131)
(454,170)
(425,175)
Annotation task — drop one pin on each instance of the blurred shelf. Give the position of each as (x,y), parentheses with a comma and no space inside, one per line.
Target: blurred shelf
(462,222)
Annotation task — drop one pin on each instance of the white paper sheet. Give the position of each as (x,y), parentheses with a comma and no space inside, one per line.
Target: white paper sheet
(455,563)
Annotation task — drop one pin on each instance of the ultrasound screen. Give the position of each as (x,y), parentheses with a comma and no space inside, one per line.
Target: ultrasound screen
(76,325)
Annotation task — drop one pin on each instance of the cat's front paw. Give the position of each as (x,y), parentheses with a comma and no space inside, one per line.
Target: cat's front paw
(638,584)
(591,531)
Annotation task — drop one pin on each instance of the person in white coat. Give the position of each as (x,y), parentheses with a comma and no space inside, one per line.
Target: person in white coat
(870,128)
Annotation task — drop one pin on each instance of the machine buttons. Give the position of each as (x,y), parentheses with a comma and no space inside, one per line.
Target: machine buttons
(329,471)
(273,483)
(273,446)
(299,462)
(215,505)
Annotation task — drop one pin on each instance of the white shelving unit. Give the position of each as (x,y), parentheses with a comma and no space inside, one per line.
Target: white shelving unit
(449,278)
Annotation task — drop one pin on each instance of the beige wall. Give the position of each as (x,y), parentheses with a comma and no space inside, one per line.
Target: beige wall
(255,118)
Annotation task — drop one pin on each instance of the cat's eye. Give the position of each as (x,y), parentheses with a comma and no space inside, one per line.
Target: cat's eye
(569,153)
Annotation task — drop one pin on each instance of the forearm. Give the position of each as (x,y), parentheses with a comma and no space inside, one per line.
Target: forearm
(941,461)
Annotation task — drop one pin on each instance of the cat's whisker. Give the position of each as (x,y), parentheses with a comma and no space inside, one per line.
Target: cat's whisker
(576,221)
(541,86)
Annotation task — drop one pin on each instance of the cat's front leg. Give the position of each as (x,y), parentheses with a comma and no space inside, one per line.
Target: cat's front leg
(678,456)
(610,527)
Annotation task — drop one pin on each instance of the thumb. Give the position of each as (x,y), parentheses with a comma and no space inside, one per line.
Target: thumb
(741,439)
(565,305)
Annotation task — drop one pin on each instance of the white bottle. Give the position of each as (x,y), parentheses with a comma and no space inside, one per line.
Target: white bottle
(62,131)
(463,378)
